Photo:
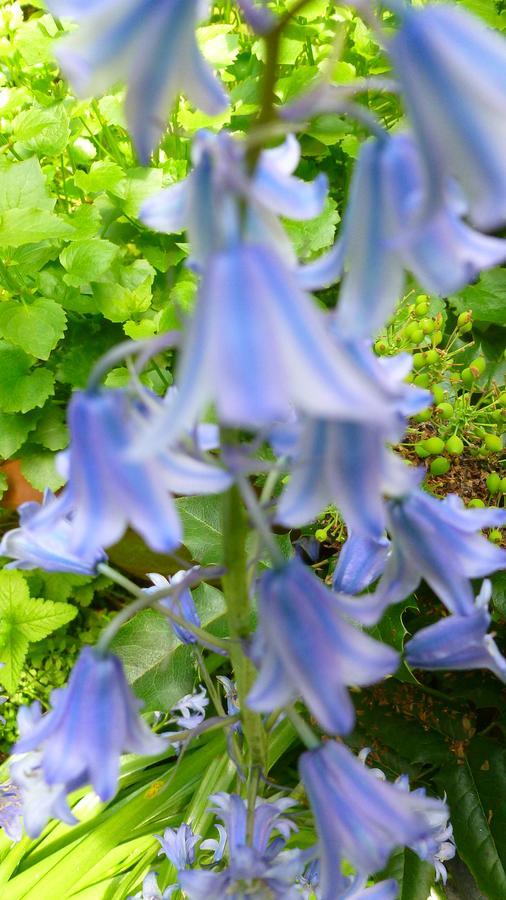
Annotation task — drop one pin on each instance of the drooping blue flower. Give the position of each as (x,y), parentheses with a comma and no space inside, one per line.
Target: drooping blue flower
(259,869)
(221,202)
(459,641)
(151,891)
(389,228)
(190,711)
(256,345)
(48,549)
(180,602)
(11,811)
(452,70)
(260,18)
(107,489)
(179,845)
(148,44)
(39,800)
(347,463)
(438,540)
(305,647)
(93,720)
(360,562)
(440,846)
(230,689)
(360,817)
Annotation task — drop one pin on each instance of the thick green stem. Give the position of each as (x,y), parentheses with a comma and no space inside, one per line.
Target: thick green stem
(235,587)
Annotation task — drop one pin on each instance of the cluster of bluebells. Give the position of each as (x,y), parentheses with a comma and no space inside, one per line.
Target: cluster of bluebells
(268,359)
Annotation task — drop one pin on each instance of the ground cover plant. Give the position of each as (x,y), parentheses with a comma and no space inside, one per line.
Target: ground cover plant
(252,415)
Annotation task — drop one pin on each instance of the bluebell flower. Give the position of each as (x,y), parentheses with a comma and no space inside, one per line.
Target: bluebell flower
(360,562)
(360,817)
(261,868)
(39,800)
(459,641)
(452,70)
(221,202)
(179,845)
(347,463)
(438,540)
(151,891)
(307,648)
(11,811)
(258,16)
(439,847)
(388,228)
(256,346)
(93,720)
(230,689)
(180,602)
(190,711)
(108,490)
(147,44)
(49,549)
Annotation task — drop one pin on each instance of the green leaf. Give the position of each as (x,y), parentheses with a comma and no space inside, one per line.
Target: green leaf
(45,131)
(22,389)
(128,296)
(159,668)
(22,185)
(475,787)
(35,327)
(486,299)
(51,430)
(414,877)
(202,519)
(29,225)
(138,185)
(87,260)
(318,234)
(39,468)
(103,176)
(24,620)
(14,429)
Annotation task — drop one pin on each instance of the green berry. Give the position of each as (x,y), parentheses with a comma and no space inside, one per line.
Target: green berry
(420,450)
(502,399)
(437,337)
(478,366)
(380,347)
(428,326)
(411,329)
(421,309)
(454,445)
(467,377)
(476,503)
(432,356)
(503,485)
(423,416)
(422,380)
(493,483)
(495,536)
(417,336)
(320,534)
(465,318)
(439,466)
(493,443)
(445,410)
(418,361)
(434,445)
(438,391)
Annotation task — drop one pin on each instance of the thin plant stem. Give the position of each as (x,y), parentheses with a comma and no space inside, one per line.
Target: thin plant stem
(236,590)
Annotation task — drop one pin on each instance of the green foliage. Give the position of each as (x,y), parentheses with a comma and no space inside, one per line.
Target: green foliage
(24,620)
